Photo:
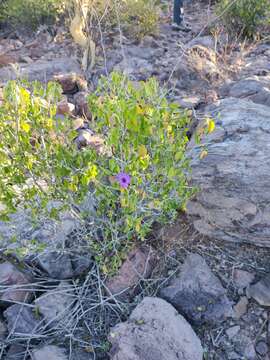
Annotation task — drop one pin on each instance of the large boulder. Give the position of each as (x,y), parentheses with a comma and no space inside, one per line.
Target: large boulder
(155,331)
(255,88)
(233,202)
(41,70)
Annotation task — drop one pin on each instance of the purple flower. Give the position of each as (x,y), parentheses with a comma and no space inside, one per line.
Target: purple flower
(123,179)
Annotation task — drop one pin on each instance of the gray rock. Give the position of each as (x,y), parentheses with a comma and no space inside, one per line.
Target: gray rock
(15,352)
(14,284)
(240,308)
(79,354)
(207,41)
(261,348)
(21,320)
(141,52)
(234,197)
(189,102)
(242,278)
(57,264)
(261,291)
(3,330)
(198,293)
(41,70)
(244,344)
(20,231)
(232,331)
(55,304)
(81,263)
(256,89)
(49,352)
(154,331)
(138,69)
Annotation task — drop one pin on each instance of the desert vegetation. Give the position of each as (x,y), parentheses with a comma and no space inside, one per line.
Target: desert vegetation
(129,147)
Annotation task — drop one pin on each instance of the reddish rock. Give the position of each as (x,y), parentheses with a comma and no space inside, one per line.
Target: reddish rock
(81,104)
(137,266)
(87,138)
(6,59)
(240,308)
(15,282)
(65,108)
(71,83)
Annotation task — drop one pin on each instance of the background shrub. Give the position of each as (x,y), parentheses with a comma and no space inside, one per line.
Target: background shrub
(139,17)
(244,16)
(29,13)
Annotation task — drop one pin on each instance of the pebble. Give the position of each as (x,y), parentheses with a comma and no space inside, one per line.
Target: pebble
(261,348)
(240,308)
(232,331)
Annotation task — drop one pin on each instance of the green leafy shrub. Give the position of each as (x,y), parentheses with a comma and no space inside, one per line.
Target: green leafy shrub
(140,180)
(29,13)
(244,16)
(148,139)
(139,17)
(136,18)
(38,158)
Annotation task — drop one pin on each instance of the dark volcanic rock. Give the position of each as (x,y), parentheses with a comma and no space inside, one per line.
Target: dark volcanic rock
(198,293)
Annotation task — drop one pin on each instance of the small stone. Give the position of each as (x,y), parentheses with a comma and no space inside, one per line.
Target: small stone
(55,304)
(15,352)
(87,138)
(6,59)
(21,320)
(26,59)
(15,284)
(84,138)
(233,356)
(71,83)
(242,278)
(261,291)
(261,348)
(81,105)
(189,102)
(250,352)
(3,330)
(240,308)
(81,263)
(49,352)
(138,265)
(78,123)
(65,108)
(232,331)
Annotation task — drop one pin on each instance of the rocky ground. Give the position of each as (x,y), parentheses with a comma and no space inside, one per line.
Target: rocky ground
(200,287)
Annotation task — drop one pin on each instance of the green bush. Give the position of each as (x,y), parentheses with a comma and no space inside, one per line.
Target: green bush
(136,18)
(139,181)
(29,13)
(148,139)
(139,18)
(244,16)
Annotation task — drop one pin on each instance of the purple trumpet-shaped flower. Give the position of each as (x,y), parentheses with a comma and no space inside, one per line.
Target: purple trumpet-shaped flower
(123,179)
